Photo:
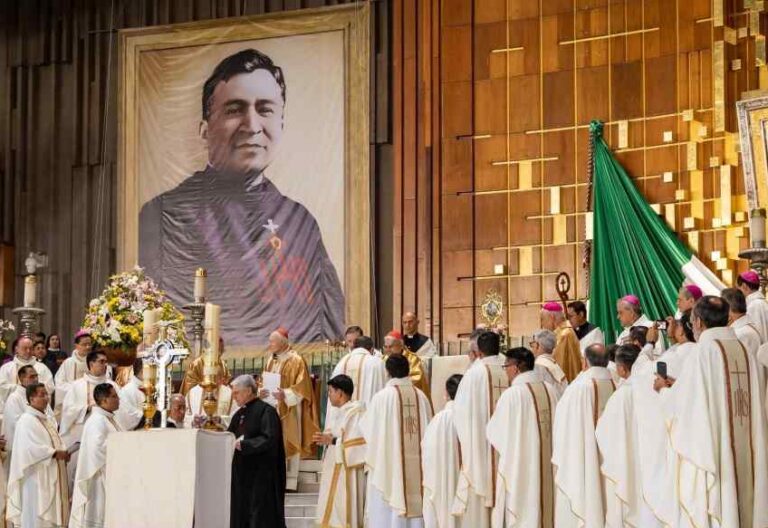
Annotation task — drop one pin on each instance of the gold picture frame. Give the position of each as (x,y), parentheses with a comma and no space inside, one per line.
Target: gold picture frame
(753,134)
(353,22)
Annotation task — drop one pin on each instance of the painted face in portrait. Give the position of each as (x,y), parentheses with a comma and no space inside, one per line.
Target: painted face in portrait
(245,123)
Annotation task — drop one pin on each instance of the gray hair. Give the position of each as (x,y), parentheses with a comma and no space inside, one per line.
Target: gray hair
(636,308)
(178,397)
(546,340)
(477,332)
(245,381)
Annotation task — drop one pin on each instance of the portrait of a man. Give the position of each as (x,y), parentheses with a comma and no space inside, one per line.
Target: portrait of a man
(264,252)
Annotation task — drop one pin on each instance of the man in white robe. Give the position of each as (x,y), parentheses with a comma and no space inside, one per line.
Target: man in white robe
(73,368)
(393,427)
(415,342)
(741,324)
(341,501)
(587,333)
(579,495)
(131,409)
(479,390)
(38,494)
(717,429)
(366,371)
(15,406)
(542,345)
(630,313)
(441,459)
(618,439)
(225,406)
(757,307)
(521,431)
(9,373)
(89,495)
(79,402)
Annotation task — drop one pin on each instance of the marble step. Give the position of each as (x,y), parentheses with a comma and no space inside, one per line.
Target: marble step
(301,499)
(299,522)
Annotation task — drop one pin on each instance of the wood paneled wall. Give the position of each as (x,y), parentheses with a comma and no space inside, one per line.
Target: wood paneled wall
(492,102)
(58,86)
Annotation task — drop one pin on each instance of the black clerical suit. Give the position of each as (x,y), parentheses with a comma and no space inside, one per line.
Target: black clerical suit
(258,468)
(264,253)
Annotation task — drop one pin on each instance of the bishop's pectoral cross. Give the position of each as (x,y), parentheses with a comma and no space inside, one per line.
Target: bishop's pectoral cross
(410,421)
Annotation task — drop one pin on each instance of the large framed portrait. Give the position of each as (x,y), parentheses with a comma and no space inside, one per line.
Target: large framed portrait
(753,133)
(244,150)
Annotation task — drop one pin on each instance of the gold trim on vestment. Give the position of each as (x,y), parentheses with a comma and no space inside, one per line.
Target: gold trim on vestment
(411,472)
(546,476)
(743,460)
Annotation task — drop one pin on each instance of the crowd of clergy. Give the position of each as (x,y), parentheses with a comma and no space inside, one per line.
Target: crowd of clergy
(668,427)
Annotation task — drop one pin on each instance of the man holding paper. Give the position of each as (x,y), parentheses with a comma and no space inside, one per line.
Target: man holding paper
(287,387)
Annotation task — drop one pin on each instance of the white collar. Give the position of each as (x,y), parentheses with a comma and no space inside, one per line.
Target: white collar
(756,295)
(741,322)
(527,377)
(597,373)
(95,379)
(448,405)
(98,410)
(34,412)
(24,362)
(401,382)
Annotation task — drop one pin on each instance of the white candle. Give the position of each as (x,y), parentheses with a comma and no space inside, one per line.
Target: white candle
(757,228)
(30,291)
(211,325)
(150,319)
(200,280)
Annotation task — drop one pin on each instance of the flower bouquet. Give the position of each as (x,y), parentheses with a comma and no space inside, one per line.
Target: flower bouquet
(6,327)
(115,318)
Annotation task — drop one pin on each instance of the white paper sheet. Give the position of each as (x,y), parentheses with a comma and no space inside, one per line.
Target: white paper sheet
(271,382)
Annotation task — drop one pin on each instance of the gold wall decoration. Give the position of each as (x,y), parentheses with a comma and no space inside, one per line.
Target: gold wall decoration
(492,307)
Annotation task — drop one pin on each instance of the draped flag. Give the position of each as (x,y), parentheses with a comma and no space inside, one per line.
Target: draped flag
(633,249)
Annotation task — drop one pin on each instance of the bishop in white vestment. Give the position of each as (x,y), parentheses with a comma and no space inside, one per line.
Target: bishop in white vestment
(757,307)
(579,495)
(479,390)
(717,429)
(341,503)
(630,314)
(9,373)
(393,427)
(89,494)
(441,460)
(38,494)
(520,430)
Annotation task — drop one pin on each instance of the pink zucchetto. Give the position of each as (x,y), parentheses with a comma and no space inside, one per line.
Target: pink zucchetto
(695,291)
(751,277)
(82,333)
(631,299)
(552,306)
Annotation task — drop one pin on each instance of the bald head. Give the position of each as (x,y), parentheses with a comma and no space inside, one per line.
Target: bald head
(596,355)
(410,323)
(178,408)
(24,348)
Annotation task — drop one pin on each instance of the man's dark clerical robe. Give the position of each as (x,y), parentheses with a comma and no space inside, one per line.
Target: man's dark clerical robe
(258,468)
(414,342)
(266,262)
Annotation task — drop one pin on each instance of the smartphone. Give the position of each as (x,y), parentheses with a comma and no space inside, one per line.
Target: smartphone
(661,325)
(661,369)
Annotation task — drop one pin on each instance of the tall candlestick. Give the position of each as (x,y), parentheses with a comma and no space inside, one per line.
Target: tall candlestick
(200,283)
(30,291)
(757,228)
(150,319)
(211,325)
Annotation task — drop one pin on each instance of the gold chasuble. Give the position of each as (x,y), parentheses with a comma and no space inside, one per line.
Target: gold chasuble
(294,376)
(410,443)
(567,352)
(738,393)
(418,377)
(194,374)
(544,414)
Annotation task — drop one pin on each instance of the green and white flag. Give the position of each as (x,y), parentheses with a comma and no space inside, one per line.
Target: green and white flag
(634,251)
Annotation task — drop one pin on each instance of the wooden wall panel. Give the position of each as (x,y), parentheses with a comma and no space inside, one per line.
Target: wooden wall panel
(58,88)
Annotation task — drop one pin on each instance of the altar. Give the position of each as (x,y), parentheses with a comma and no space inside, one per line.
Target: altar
(174,478)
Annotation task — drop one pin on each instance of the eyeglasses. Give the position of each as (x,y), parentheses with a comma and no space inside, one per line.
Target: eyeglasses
(507,365)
